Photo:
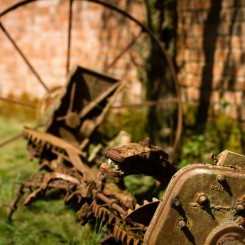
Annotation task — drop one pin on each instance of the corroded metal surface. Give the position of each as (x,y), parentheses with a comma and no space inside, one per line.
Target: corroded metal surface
(197,203)
(139,158)
(203,204)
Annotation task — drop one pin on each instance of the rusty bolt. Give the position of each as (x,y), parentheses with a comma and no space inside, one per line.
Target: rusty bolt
(176,203)
(241,221)
(240,206)
(202,199)
(182,224)
(212,156)
(221,178)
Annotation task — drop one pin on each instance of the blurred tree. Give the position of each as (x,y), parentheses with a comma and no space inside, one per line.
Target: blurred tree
(161,19)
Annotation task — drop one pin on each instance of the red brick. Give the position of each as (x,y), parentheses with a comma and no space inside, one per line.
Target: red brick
(231,111)
(218,70)
(215,97)
(229,97)
(227,3)
(193,93)
(240,84)
(220,55)
(242,114)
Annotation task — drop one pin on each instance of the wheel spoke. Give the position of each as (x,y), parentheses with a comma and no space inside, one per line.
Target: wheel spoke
(133,41)
(18,102)
(23,56)
(69,38)
(10,140)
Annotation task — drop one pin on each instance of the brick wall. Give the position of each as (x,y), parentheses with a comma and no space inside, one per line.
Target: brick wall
(211,53)
(210,47)
(40,29)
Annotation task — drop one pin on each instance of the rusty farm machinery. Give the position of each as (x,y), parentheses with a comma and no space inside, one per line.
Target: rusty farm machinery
(202,204)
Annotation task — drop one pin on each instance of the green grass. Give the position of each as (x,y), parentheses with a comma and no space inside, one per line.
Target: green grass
(45,221)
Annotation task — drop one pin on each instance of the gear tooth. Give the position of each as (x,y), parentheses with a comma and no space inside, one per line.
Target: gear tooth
(124,237)
(137,206)
(130,211)
(118,234)
(92,207)
(96,211)
(133,241)
(121,234)
(145,202)
(104,215)
(100,212)
(154,199)
(111,219)
(129,240)
(115,231)
(136,242)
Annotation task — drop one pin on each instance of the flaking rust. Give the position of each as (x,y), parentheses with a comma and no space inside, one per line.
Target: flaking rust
(202,204)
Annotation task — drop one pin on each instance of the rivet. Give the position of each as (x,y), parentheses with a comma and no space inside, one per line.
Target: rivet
(221,178)
(176,203)
(212,156)
(240,221)
(240,206)
(182,224)
(202,199)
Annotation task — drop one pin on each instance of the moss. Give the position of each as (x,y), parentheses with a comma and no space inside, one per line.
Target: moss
(131,120)
(220,133)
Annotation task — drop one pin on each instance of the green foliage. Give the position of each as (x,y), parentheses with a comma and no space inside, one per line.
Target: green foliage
(131,120)
(221,133)
(143,187)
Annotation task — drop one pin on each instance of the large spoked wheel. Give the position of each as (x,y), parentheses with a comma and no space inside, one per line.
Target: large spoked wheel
(69,40)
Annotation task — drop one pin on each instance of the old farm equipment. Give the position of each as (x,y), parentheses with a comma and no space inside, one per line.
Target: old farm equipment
(202,204)
(139,34)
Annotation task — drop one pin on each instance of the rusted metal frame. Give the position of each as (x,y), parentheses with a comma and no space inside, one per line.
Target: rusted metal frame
(78,164)
(15,6)
(17,48)
(97,100)
(72,98)
(101,117)
(47,179)
(20,192)
(148,103)
(30,184)
(109,201)
(18,102)
(69,38)
(153,37)
(17,136)
(133,41)
(50,139)
(164,53)
(70,106)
